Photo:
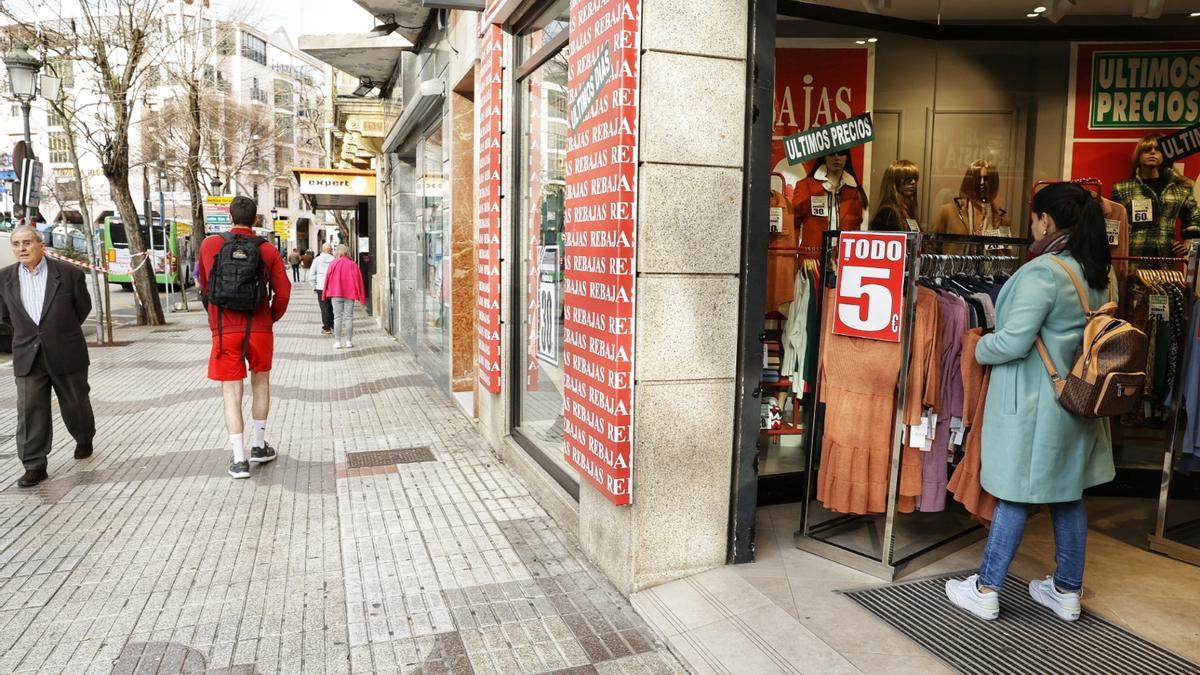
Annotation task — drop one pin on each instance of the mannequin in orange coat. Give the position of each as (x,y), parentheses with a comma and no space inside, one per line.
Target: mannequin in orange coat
(830,198)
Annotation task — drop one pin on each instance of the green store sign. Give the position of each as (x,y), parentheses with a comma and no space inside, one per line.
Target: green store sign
(1145,89)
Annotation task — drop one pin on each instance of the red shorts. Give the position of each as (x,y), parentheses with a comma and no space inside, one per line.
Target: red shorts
(225,363)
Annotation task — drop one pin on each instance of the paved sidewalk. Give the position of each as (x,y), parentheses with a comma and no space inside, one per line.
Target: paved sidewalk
(147,558)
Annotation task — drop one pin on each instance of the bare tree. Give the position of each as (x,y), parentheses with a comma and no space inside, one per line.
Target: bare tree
(119,41)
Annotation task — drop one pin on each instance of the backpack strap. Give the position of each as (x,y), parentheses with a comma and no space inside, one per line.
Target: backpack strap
(1109,307)
(1055,378)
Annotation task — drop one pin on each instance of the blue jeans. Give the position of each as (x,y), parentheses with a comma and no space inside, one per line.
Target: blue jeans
(1008,525)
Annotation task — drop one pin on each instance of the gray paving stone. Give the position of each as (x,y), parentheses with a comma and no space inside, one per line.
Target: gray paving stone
(148,558)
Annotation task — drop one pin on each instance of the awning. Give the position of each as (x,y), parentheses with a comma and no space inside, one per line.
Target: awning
(409,14)
(69,216)
(335,189)
(358,54)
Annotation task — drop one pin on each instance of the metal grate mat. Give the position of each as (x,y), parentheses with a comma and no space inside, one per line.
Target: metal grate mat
(1027,639)
(371,458)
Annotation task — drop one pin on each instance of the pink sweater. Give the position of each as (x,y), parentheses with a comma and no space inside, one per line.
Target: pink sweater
(343,280)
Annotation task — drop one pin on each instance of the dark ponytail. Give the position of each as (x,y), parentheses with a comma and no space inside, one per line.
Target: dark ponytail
(1074,207)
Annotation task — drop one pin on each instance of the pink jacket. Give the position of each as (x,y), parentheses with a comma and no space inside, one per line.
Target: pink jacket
(343,280)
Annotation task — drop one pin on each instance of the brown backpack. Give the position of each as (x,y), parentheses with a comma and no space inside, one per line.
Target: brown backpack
(1109,373)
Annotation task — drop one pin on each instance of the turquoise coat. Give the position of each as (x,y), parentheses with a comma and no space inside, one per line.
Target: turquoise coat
(1035,451)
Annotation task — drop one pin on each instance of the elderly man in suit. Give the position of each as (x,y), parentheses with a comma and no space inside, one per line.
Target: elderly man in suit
(46,302)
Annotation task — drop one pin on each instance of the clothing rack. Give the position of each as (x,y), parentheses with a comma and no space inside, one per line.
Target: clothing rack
(817,537)
(1163,539)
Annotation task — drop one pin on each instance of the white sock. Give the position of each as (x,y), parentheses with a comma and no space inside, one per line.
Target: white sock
(239,449)
(260,430)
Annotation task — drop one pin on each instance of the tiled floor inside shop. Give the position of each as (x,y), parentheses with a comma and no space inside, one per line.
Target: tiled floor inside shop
(783,614)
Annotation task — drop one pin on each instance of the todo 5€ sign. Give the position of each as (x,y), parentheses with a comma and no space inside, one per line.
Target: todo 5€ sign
(870,285)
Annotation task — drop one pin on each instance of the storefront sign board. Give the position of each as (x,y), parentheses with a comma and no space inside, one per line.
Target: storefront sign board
(1122,91)
(487,230)
(870,285)
(836,137)
(819,82)
(599,242)
(216,213)
(1182,144)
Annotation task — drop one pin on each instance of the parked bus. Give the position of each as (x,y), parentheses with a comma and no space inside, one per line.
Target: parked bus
(116,246)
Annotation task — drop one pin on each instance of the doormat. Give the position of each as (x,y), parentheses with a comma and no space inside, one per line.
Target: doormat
(1026,638)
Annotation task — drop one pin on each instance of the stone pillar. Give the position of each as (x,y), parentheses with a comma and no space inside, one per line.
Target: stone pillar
(693,127)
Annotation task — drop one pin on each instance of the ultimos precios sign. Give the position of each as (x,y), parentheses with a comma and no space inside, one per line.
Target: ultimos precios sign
(819,141)
(598,244)
(1136,89)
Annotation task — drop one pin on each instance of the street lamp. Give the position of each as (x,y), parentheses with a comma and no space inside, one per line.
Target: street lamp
(215,184)
(23,68)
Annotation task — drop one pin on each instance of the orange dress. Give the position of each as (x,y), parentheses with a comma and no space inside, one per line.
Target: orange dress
(964,484)
(858,387)
(781,265)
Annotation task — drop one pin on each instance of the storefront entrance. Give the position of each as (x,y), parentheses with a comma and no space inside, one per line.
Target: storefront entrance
(967,117)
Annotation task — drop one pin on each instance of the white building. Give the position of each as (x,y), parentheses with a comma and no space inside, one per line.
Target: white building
(249,70)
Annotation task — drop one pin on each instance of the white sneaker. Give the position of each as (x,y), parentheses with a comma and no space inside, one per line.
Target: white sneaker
(349,345)
(1064,605)
(965,593)
(337,345)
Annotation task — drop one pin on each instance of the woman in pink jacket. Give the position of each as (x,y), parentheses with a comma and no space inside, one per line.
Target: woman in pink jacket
(344,285)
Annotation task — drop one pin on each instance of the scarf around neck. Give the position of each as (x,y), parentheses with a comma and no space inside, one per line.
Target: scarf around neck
(1051,243)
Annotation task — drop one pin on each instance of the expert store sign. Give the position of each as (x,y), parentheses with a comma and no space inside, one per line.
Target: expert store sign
(598,244)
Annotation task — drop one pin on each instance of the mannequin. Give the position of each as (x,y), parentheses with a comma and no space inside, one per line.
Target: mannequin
(831,198)
(975,211)
(1154,197)
(898,198)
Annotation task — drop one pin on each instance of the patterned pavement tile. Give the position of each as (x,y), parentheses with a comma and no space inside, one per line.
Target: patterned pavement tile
(147,558)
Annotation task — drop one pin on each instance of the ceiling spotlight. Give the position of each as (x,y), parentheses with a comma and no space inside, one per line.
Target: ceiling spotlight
(1039,9)
(860,42)
(386,28)
(1194,14)
(872,40)
(1033,15)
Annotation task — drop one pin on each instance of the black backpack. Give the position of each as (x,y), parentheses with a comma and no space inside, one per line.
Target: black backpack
(238,280)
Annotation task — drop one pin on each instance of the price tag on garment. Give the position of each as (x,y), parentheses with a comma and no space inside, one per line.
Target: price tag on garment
(870,285)
(776,219)
(1142,212)
(956,426)
(819,205)
(1113,229)
(918,434)
(1160,307)
(913,225)
(930,433)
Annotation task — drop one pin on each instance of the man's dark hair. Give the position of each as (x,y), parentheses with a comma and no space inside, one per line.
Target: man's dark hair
(243,210)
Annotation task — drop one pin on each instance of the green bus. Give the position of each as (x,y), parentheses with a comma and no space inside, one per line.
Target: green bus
(177,237)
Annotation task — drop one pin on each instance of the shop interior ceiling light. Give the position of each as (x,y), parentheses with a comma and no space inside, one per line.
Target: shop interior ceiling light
(1039,9)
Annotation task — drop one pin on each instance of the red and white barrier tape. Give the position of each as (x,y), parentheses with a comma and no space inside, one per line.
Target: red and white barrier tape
(76,263)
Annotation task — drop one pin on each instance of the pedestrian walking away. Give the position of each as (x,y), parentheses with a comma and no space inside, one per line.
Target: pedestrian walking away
(46,302)
(1034,450)
(344,287)
(294,261)
(316,279)
(306,261)
(245,290)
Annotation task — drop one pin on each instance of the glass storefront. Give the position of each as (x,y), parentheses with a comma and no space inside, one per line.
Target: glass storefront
(541,174)
(433,330)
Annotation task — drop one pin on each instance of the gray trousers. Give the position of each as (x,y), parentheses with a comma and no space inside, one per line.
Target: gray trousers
(343,319)
(35,426)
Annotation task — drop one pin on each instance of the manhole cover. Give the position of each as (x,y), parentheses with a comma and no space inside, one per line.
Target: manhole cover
(361,460)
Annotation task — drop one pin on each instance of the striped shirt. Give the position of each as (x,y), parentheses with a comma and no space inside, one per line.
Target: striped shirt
(33,289)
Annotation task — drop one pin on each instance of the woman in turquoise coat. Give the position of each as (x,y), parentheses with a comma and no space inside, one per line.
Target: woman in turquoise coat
(1034,451)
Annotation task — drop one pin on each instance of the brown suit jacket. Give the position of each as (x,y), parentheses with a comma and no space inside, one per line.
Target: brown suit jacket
(60,332)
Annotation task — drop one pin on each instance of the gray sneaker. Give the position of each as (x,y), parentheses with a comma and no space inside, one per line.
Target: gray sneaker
(239,469)
(262,455)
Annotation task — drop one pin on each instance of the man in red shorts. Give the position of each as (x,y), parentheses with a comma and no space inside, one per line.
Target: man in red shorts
(234,344)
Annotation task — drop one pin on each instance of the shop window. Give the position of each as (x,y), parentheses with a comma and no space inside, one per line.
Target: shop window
(63,69)
(541,170)
(281,197)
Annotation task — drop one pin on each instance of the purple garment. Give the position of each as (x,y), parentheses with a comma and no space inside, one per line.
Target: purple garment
(934,472)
